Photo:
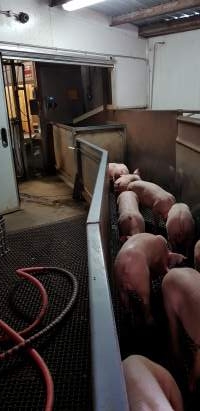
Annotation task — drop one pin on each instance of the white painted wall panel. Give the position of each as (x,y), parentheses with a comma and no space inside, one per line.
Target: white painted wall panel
(83,30)
(130,89)
(177,68)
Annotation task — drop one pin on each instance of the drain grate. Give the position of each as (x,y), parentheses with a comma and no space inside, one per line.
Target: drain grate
(66,351)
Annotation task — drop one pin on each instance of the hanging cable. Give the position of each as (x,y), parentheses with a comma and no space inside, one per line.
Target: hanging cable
(57,320)
(22,273)
(22,343)
(38,360)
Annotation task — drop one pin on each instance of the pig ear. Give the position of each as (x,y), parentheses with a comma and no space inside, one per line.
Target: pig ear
(156,204)
(136,171)
(175,259)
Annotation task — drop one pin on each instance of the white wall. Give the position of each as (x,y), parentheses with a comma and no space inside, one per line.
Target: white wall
(130,80)
(177,71)
(86,31)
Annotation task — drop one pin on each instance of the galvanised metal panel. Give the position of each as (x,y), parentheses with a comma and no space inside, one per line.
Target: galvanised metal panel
(109,391)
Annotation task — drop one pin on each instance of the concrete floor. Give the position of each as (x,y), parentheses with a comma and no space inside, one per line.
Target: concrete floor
(44,201)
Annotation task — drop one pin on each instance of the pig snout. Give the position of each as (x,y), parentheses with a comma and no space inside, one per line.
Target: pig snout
(115,170)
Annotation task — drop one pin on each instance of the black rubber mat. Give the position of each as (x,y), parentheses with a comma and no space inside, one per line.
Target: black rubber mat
(67,350)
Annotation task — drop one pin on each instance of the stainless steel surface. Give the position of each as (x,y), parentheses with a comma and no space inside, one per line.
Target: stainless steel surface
(60,55)
(188,159)
(109,392)
(109,137)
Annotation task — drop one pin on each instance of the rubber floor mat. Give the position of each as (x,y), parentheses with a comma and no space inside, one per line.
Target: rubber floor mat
(67,350)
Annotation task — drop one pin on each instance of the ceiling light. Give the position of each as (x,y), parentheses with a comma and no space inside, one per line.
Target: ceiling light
(79,4)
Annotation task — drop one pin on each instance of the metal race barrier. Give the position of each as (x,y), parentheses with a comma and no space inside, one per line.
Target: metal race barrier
(109,391)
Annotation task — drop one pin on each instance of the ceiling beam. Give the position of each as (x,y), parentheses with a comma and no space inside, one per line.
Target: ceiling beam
(169,27)
(53,3)
(155,11)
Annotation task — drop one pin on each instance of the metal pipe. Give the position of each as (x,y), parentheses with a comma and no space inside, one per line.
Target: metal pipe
(153,68)
(62,50)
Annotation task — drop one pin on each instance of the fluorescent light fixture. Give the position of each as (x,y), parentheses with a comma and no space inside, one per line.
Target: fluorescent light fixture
(79,4)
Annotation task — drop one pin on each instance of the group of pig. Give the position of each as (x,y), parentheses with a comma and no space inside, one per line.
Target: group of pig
(145,256)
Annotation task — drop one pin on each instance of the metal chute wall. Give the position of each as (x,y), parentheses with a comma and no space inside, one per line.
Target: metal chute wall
(188,160)
(109,137)
(64,153)
(109,391)
(90,161)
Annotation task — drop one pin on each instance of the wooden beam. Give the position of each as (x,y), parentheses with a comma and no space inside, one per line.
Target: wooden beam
(160,10)
(53,3)
(169,27)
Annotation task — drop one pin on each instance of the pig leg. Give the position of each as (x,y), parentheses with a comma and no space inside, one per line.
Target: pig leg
(143,290)
(140,284)
(169,302)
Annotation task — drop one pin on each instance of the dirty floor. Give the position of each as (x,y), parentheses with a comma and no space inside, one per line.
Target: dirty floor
(44,201)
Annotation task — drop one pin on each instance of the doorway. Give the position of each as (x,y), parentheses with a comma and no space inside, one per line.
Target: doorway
(37,95)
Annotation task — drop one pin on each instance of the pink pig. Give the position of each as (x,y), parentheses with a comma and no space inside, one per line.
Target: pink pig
(115,170)
(180,226)
(181,294)
(150,387)
(141,256)
(153,196)
(197,256)
(122,182)
(130,219)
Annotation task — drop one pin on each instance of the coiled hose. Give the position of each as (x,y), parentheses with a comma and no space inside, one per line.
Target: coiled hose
(22,343)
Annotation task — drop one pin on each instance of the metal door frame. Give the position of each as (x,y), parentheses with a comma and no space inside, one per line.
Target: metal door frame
(10,144)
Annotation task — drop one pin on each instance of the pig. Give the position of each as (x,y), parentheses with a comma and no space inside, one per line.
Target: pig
(181,295)
(197,256)
(153,196)
(122,182)
(180,226)
(150,387)
(142,255)
(130,219)
(116,170)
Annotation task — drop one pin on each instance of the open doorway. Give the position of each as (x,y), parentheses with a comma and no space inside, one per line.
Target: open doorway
(39,94)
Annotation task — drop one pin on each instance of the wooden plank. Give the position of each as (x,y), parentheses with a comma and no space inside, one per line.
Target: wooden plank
(169,27)
(188,120)
(160,10)
(88,114)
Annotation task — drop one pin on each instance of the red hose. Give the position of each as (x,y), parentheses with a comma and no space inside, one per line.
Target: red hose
(38,360)
(23,272)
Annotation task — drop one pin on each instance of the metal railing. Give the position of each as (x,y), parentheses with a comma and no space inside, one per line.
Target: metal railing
(109,392)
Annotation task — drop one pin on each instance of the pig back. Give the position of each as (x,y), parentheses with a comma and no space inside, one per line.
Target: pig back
(144,389)
(127,202)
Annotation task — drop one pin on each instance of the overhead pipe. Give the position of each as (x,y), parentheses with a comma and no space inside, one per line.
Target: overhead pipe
(157,43)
